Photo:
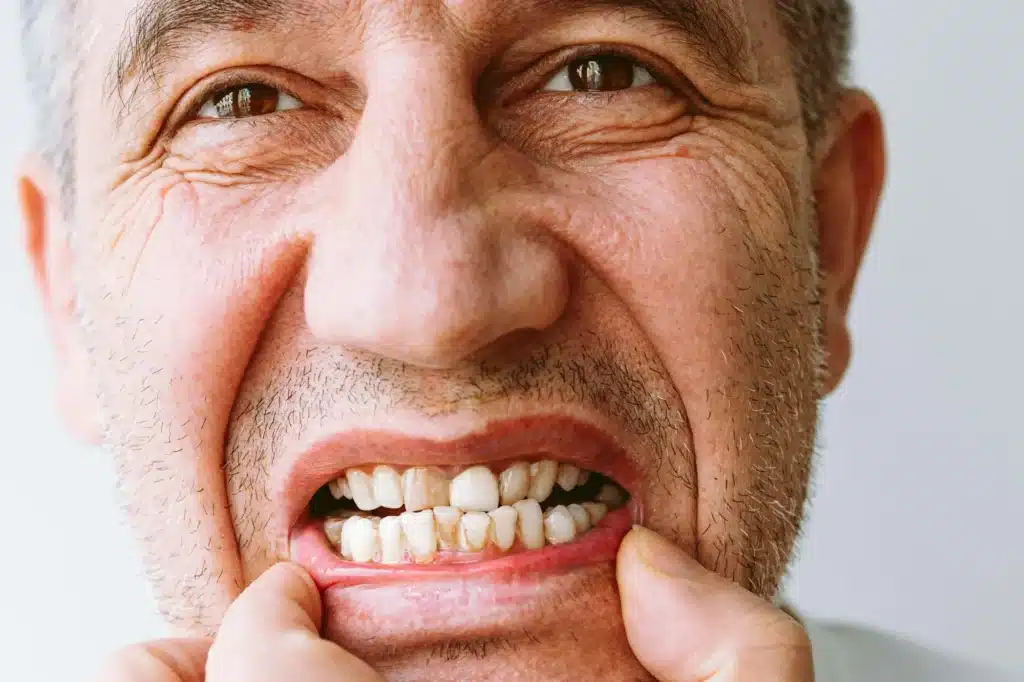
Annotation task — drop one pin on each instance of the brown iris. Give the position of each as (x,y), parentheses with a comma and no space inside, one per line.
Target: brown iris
(602,73)
(247,100)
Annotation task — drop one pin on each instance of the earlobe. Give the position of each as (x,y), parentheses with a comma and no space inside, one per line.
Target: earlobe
(848,186)
(50,258)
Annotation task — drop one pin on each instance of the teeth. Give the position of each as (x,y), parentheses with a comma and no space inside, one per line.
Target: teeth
(559,526)
(610,495)
(361,486)
(346,536)
(387,487)
(503,527)
(584,477)
(543,476)
(339,489)
(568,477)
(515,484)
(420,535)
(392,540)
(580,518)
(447,526)
(475,489)
(530,525)
(474,529)
(424,489)
(362,539)
(596,511)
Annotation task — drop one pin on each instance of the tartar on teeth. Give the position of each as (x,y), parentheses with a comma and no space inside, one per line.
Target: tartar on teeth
(386,516)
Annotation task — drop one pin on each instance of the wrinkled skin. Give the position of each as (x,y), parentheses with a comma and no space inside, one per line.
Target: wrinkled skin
(433,242)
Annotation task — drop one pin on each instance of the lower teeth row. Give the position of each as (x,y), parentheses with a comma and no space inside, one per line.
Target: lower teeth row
(419,536)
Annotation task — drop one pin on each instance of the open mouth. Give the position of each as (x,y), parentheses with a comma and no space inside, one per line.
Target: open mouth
(397,516)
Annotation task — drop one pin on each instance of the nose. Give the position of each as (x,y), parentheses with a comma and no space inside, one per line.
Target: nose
(418,254)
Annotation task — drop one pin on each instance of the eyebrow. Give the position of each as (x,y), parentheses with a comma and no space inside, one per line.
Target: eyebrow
(156,30)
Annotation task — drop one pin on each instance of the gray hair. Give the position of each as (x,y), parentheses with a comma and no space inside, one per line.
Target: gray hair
(819,33)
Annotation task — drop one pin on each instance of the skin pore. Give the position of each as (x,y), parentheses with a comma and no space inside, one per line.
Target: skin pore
(424,232)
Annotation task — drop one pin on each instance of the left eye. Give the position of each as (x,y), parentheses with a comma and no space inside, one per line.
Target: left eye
(246,101)
(600,73)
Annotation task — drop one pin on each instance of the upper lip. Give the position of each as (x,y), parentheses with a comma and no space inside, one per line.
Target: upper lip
(561,438)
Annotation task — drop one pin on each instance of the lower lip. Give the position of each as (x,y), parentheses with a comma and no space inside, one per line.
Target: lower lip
(311,550)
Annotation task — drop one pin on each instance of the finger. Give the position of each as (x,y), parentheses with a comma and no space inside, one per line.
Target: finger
(686,623)
(271,633)
(171,660)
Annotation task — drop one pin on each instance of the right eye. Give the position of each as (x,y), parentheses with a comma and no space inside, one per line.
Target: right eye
(246,101)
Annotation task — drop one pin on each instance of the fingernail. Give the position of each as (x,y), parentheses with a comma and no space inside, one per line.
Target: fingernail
(660,555)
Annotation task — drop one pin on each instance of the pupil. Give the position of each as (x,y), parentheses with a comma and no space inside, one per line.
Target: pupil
(601,73)
(248,100)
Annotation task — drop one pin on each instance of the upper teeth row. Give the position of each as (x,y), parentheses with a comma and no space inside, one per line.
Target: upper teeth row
(475,489)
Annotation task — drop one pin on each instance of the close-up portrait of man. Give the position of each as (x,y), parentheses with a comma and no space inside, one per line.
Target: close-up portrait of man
(458,340)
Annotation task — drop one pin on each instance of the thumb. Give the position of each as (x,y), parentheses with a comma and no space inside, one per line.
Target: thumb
(685,623)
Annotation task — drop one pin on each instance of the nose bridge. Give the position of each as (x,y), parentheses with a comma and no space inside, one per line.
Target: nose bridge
(412,261)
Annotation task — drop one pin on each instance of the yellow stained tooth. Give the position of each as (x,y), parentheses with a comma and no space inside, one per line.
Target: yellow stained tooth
(424,488)
(420,535)
(610,495)
(387,487)
(447,527)
(475,489)
(559,526)
(339,489)
(568,476)
(530,523)
(503,527)
(474,529)
(542,479)
(361,486)
(514,483)
(332,528)
(580,517)
(596,511)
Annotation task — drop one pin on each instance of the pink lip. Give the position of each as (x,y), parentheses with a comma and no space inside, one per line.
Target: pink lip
(311,550)
(561,438)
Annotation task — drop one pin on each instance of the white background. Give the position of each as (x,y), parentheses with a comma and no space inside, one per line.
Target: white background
(916,523)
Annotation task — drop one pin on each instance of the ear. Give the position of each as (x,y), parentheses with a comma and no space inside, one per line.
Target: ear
(848,185)
(50,257)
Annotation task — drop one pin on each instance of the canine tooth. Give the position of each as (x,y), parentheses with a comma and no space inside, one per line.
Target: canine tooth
(580,517)
(387,487)
(474,529)
(568,476)
(503,527)
(420,534)
(530,523)
(475,489)
(515,483)
(392,540)
(542,475)
(559,526)
(339,489)
(363,541)
(424,488)
(346,536)
(361,486)
(596,511)
(447,526)
(610,495)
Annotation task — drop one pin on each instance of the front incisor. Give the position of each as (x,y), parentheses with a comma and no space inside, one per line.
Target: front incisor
(424,488)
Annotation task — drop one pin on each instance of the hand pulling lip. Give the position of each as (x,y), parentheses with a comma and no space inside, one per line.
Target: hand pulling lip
(556,437)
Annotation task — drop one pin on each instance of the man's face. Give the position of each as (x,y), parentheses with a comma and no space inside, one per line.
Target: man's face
(315,237)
